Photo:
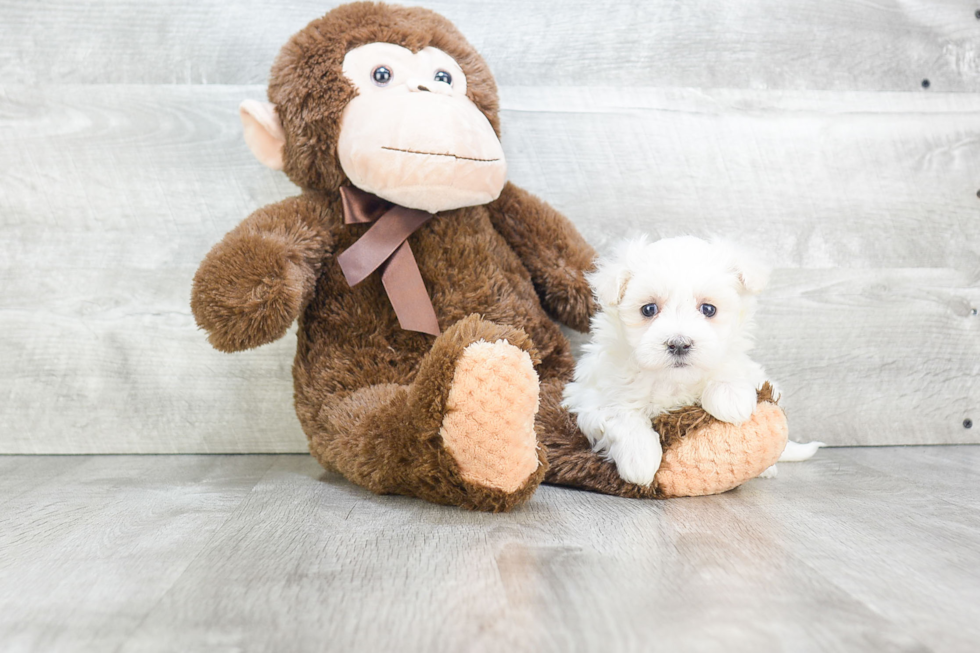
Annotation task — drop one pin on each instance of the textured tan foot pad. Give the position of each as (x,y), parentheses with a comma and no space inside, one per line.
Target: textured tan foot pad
(489,422)
(721,456)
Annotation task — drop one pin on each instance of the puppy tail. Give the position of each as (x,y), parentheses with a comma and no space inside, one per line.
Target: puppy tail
(796,452)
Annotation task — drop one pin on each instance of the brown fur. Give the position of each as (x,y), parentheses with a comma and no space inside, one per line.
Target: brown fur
(369,395)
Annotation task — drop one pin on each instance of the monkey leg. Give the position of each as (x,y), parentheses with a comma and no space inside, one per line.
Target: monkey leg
(462,433)
(708,460)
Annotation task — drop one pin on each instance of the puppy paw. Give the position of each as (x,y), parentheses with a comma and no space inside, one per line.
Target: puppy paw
(769,472)
(732,403)
(637,454)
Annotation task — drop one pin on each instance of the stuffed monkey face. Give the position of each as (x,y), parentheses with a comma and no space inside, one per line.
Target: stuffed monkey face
(412,136)
(409,133)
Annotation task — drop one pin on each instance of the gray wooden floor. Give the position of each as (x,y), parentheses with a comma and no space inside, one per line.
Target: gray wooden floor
(857,550)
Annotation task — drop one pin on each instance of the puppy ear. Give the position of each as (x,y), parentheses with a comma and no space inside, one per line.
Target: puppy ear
(609,282)
(263,132)
(753,275)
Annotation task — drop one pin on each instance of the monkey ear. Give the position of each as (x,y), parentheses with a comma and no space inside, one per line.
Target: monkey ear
(263,132)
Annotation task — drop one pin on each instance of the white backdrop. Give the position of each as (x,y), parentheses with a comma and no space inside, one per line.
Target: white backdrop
(802,129)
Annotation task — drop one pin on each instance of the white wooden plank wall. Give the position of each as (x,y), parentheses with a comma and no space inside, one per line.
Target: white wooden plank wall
(800,128)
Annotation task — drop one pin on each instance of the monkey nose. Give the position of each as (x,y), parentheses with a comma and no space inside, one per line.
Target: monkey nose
(429,86)
(679,345)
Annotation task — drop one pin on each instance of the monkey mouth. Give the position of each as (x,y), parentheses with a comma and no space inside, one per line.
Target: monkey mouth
(452,156)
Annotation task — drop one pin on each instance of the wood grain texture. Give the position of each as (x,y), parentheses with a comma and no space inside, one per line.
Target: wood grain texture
(87,553)
(762,44)
(865,202)
(814,180)
(874,356)
(857,550)
(19,475)
(110,198)
(891,518)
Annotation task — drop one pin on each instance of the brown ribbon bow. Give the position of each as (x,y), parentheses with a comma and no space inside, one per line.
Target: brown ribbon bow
(385,246)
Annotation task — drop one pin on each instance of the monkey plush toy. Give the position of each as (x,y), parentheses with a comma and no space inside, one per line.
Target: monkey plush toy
(428,289)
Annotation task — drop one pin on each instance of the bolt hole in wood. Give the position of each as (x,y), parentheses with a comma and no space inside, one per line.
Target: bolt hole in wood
(976,14)
(968,423)
(926,83)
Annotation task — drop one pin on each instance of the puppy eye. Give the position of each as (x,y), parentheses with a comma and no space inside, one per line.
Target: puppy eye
(708,310)
(444,77)
(649,310)
(381,75)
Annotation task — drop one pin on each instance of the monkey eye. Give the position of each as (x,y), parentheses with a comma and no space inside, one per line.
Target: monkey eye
(444,77)
(707,310)
(381,75)
(649,310)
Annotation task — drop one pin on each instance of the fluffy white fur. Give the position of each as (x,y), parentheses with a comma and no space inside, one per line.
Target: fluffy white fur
(637,366)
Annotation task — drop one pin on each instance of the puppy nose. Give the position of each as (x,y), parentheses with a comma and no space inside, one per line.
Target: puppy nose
(679,345)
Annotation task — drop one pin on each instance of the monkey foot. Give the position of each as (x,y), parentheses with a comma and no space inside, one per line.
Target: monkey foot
(489,422)
(722,456)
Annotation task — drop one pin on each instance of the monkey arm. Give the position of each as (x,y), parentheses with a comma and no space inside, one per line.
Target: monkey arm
(553,252)
(255,282)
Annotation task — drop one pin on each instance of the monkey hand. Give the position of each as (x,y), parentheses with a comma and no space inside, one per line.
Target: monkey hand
(552,250)
(248,290)
(571,298)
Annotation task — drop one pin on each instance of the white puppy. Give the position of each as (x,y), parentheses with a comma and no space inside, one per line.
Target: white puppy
(673,330)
